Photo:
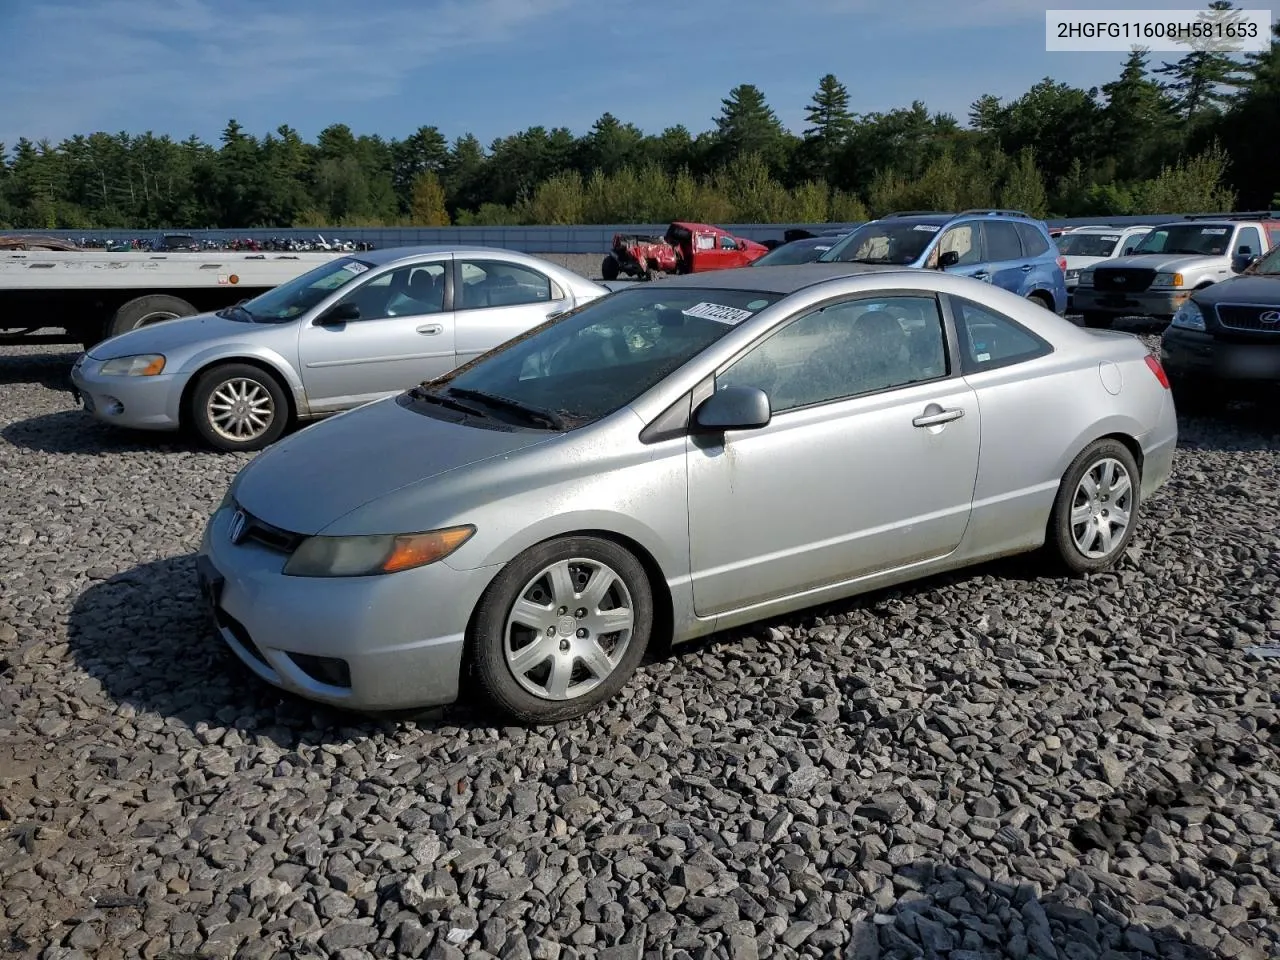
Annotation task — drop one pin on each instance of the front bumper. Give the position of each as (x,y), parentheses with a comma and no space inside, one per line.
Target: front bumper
(377,643)
(1148,303)
(140,403)
(1200,356)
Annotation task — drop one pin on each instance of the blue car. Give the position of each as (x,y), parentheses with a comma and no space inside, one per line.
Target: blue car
(1007,248)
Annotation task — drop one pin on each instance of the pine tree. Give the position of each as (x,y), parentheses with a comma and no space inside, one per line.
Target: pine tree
(1198,79)
(830,126)
(1140,117)
(427,204)
(747,125)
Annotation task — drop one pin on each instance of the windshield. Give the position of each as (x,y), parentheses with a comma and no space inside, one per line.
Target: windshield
(1205,239)
(800,251)
(1087,244)
(600,357)
(886,241)
(1269,265)
(300,294)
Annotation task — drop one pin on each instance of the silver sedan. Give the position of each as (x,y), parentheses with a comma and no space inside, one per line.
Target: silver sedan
(678,458)
(350,331)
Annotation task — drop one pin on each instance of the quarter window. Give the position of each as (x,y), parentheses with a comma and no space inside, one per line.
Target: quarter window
(405,292)
(989,340)
(845,350)
(492,283)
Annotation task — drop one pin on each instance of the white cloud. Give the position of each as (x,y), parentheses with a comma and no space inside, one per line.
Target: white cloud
(207,59)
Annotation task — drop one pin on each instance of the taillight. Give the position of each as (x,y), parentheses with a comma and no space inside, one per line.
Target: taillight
(1154,363)
(1062,264)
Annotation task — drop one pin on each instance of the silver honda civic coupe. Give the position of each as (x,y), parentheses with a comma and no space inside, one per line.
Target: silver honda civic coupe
(350,331)
(674,459)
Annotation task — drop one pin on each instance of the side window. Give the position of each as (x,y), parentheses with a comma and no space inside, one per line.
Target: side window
(405,292)
(1002,241)
(989,340)
(492,283)
(728,243)
(844,350)
(966,240)
(1131,242)
(1034,243)
(1251,238)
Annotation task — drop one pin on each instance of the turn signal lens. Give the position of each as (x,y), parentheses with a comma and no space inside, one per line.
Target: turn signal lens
(419,549)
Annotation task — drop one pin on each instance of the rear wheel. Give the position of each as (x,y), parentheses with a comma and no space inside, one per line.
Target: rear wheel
(561,629)
(1042,299)
(237,406)
(1096,509)
(1096,321)
(144,311)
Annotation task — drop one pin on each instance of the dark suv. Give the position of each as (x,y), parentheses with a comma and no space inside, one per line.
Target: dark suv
(1007,248)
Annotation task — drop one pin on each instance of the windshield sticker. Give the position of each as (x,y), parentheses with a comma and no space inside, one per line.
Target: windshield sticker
(1214,231)
(354,267)
(927,227)
(757,304)
(983,357)
(717,312)
(822,248)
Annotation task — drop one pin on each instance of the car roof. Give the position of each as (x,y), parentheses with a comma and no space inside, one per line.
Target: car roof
(393,254)
(783,280)
(1103,228)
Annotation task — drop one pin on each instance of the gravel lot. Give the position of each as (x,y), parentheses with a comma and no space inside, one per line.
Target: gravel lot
(988,765)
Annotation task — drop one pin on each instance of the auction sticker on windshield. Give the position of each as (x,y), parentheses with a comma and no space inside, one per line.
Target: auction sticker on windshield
(354,267)
(718,312)
(1214,231)
(927,227)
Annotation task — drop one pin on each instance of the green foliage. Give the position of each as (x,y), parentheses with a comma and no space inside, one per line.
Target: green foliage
(1194,134)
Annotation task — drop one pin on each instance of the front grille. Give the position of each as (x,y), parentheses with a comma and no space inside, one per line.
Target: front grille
(1122,279)
(266,535)
(1243,316)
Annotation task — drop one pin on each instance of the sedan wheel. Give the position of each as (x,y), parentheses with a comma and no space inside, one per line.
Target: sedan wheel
(1096,510)
(238,407)
(562,628)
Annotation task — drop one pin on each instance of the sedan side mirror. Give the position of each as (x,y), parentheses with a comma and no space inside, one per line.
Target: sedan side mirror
(341,313)
(734,408)
(948,259)
(1242,262)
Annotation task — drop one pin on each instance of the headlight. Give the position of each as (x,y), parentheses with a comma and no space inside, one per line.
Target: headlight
(1189,317)
(146,365)
(1167,281)
(1086,278)
(1072,275)
(366,556)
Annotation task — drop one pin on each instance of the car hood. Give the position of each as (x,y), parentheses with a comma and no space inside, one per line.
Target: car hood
(1079,262)
(309,480)
(1162,262)
(173,334)
(1253,290)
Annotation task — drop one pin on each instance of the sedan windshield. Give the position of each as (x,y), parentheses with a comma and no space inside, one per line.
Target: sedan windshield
(887,241)
(297,296)
(1087,244)
(798,251)
(1193,239)
(596,359)
(1268,265)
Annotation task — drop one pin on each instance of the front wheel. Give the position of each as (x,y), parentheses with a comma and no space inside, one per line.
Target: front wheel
(561,629)
(237,406)
(1096,509)
(609,268)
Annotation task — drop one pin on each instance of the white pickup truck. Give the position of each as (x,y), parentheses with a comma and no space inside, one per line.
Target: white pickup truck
(91,295)
(1170,263)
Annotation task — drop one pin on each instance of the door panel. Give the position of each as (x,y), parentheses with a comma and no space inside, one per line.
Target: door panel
(403,336)
(497,301)
(835,488)
(1010,268)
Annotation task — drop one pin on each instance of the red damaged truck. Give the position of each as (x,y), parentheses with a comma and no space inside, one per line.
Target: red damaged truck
(684,248)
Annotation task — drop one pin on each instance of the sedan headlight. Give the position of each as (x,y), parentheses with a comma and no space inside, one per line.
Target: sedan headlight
(144,365)
(1086,278)
(1166,281)
(1072,275)
(367,556)
(1189,317)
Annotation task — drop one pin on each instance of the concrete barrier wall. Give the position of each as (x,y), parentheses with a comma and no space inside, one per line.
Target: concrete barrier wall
(537,240)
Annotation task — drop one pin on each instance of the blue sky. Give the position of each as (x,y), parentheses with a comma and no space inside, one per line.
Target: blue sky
(493,67)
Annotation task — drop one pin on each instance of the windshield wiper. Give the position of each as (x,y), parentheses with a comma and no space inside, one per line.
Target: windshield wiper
(229,312)
(420,392)
(535,414)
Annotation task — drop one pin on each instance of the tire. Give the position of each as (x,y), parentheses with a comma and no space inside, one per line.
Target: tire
(1042,299)
(1065,538)
(609,269)
(526,692)
(147,310)
(238,379)
(1097,321)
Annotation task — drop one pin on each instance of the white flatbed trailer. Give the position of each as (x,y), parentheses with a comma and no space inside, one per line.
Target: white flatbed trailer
(92,295)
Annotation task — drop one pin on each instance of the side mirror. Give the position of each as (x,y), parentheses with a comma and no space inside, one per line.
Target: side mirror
(339,314)
(1242,262)
(734,408)
(948,259)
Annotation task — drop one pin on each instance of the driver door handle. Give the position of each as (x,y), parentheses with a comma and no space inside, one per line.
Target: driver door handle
(430,328)
(935,419)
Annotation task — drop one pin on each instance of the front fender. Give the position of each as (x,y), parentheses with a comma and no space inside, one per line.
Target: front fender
(243,351)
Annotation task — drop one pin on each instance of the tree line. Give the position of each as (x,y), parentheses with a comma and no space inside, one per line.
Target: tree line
(1191,134)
